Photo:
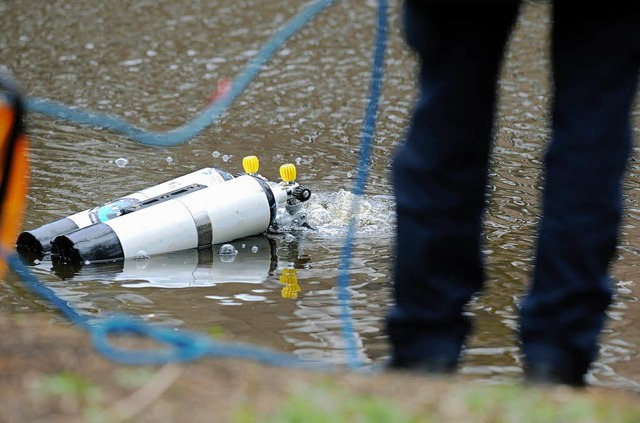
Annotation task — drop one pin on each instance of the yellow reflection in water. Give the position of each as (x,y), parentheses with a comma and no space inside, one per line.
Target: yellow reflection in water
(289,278)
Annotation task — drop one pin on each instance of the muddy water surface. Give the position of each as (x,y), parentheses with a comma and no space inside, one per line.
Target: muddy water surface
(156,63)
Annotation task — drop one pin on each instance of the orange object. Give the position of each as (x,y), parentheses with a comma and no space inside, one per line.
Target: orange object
(223,88)
(14,180)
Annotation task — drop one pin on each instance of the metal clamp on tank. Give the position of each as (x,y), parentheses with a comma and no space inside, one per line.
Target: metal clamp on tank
(294,215)
(296,195)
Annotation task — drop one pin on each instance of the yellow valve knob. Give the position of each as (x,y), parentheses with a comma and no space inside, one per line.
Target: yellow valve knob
(251,164)
(288,172)
(289,278)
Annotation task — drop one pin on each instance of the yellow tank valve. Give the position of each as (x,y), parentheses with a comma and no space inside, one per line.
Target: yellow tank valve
(250,164)
(288,172)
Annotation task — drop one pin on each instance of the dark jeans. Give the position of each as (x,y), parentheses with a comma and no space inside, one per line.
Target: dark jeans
(440,177)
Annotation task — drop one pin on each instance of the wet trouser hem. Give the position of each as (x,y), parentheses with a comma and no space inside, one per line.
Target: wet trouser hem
(547,364)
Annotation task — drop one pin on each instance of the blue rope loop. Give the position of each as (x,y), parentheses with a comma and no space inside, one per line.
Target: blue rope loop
(178,346)
(204,119)
(181,345)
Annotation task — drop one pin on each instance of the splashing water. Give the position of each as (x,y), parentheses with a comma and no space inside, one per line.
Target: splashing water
(330,213)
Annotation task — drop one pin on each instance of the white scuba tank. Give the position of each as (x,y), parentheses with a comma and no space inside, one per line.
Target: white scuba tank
(244,206)
(37,242)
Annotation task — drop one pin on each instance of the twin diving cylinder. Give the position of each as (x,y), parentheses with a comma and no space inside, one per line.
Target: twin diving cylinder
(37,242)
(197,210)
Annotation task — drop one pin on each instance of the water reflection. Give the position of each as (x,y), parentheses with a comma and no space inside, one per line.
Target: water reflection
(255,294)
(254,262)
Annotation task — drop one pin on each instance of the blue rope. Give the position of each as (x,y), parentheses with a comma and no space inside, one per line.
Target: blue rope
(182,345)
(42,291)
(185,345)
(368,129)
(206,118)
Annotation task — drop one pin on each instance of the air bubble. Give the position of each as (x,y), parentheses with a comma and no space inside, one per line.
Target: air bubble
(227,253)
(142,255)
(227,250)
(122,162)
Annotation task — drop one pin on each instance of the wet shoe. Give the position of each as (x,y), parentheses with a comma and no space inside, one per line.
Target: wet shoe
(423,366)
(541,374)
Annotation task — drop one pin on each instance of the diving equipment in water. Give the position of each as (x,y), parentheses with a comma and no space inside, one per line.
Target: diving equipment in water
(244,206)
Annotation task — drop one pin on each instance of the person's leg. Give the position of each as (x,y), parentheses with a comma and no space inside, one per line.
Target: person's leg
(595,55)
(440,176)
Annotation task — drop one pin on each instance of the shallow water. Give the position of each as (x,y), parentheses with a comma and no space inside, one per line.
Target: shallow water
(156,64)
